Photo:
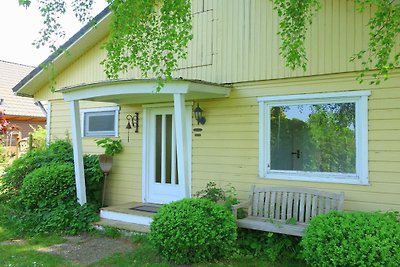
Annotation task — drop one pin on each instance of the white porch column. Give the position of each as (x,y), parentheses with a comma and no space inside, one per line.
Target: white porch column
(78,154)
(181,141)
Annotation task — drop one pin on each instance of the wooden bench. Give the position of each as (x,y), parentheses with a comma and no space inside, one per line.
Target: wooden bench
(285,210)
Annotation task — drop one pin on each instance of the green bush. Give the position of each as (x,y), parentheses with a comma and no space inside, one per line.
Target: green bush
(38,137)
(48,187)
(40,190)
(59,152)
(269,246)
(15,173)
(94,179)
(47,201)
(193,230)
(352,239)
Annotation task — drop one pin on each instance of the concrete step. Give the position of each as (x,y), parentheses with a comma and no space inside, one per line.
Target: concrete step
(133,227)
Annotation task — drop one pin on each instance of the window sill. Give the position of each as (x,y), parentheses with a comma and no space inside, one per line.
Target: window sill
(317,178)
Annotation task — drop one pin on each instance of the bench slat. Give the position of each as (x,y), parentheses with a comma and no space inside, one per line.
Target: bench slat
(255,204)
(278,204)
(308,207)
(290,206)
(321,205)
(284,206)
(261,225)
(327,205)
(266,204)
(314,205)
(272,205)
(296,206)
(302,207)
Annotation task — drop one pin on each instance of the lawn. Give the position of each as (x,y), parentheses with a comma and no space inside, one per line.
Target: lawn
(23,251)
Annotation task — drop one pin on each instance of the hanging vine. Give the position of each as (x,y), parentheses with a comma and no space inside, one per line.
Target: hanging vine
(295,18)
(149,34)
(381,55)
(152,35)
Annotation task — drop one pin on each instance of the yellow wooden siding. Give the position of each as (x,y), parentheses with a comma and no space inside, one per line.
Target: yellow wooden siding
(227,151)
(125,179)
(236,41)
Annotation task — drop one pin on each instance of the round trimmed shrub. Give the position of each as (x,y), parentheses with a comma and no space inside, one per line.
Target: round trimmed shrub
(193,230)
(352,239)
(47,202)
(48,186)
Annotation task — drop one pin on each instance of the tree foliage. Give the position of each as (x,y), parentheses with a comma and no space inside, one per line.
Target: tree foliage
(384,25)
(152,35)
(295,17)
(148,34)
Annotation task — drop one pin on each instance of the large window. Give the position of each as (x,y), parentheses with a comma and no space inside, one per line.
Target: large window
(315,137)
(100,122)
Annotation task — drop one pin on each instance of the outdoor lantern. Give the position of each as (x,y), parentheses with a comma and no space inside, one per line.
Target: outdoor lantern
(198,115)
(133,122)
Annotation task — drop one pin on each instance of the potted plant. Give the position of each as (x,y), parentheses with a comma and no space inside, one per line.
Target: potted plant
(112,147)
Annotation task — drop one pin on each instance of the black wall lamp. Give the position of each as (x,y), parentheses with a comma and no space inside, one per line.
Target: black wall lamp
(198,115)
(133,122)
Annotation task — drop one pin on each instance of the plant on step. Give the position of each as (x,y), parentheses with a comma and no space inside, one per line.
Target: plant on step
(111,146)
(352,239)
(193,230)
(211,192)
(218,195)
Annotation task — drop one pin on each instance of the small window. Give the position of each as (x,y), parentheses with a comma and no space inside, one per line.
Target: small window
(318,137)
(100,122)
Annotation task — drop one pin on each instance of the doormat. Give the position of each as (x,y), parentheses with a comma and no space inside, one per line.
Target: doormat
(146,208)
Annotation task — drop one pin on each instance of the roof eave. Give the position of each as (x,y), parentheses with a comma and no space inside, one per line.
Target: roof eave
(77,45)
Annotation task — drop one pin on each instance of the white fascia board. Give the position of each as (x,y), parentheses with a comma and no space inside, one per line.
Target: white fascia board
(121,88)
(210,89)
(64,59)
(315,96)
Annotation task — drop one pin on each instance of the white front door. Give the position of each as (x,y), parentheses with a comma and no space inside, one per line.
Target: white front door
(161,180)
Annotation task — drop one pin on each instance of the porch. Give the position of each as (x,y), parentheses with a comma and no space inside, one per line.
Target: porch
(132,216)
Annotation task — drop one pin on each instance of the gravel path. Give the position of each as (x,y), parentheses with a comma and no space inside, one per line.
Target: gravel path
(85,249)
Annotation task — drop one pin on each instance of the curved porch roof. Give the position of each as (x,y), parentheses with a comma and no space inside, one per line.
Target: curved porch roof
(143,91)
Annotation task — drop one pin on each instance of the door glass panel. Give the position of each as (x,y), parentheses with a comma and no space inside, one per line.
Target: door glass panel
(158,147)
(168,145)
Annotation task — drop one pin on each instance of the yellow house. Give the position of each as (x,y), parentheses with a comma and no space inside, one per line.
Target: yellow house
(264,124)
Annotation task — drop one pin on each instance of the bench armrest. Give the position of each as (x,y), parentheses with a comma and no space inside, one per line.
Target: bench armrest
(238,206)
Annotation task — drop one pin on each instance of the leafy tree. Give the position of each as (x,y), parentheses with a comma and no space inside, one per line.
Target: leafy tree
(148,34)
(153,34)
(384,25)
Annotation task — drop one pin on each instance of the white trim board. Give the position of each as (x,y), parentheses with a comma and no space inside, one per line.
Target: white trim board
(360,98)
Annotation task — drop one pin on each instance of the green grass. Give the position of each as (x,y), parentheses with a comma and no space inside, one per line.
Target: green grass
(26,254)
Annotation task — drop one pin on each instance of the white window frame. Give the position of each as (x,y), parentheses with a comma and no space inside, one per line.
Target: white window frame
(84,125)
(360,98)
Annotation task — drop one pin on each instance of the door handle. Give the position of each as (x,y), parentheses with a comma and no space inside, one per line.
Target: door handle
(297,153)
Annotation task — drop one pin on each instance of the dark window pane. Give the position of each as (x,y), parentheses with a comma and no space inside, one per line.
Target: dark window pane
(101,122)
